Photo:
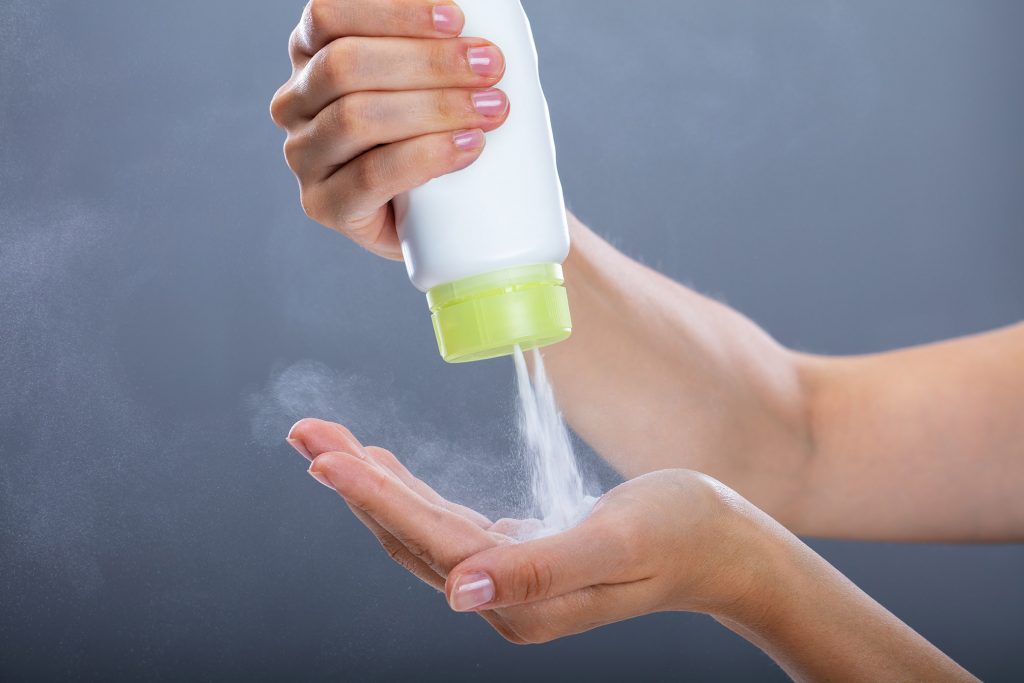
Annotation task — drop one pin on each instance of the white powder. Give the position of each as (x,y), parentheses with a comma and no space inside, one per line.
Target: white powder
(560,497)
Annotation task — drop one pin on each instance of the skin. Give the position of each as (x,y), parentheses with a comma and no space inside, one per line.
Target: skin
(918,444)
(668,540)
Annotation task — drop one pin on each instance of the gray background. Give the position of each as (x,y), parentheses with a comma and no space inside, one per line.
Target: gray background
(847,173)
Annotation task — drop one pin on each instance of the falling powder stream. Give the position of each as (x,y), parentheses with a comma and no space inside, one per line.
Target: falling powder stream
(560,499)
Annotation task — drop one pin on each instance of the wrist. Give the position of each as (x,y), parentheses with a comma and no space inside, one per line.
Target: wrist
(757,568)
(813,621)
(728,554)
(785,584)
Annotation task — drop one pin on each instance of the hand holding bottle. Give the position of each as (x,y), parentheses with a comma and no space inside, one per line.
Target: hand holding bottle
(383,98)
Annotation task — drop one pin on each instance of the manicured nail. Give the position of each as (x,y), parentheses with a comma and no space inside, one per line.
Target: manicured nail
(468,140)
(300,447)
(321,478)
(472,591)
(485,61)
(490,102)
(447,19)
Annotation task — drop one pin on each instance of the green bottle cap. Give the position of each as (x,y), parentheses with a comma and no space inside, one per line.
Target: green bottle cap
(488,315)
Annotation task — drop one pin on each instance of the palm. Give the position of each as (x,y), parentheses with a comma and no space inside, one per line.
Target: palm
(430,535)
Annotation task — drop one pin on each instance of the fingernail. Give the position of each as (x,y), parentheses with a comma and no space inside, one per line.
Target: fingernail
(468,140)
(490,102)
(321,478)
(300,447)
(447,19)
(485,61)
(472,591)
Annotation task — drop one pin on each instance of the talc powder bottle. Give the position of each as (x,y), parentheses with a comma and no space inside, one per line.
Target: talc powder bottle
(486,243)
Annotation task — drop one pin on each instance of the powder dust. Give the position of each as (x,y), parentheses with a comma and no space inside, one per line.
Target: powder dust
(535,475)
(558,492)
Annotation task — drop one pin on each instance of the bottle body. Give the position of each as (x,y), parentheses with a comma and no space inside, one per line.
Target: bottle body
(476,233)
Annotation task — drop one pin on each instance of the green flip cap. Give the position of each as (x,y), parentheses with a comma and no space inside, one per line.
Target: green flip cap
(488,315)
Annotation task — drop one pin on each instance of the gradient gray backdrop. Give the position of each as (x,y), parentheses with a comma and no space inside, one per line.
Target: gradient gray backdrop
(849,174)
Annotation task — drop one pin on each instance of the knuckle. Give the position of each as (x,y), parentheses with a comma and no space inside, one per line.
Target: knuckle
(452,105)
(421,553)
(318,12)
(293,152)
(394,550)
(444,105)
(384,457)
(438,155)
(279,105)
(441,59)
(341,59)
(399,553)
(312,204)
(533,580)
(349,117)
(295,41)
(376,484)
(367,174)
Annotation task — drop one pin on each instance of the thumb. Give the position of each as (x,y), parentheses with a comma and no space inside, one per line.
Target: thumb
(545,568)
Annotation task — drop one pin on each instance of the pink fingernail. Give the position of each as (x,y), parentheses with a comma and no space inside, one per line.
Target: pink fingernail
(472,591)
(490,102)
(321,478)
(485,61)
(468,140)
(300,447)
(447,19)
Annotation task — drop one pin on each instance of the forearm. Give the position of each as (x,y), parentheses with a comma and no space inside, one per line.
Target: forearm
(924,443)
(818,625)
(657,376)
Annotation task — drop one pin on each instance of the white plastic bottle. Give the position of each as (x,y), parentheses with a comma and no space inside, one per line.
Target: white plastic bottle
(486,243)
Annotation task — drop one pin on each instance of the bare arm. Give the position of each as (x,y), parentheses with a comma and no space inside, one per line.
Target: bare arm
(920,444)
(926,443)
(669,540)
(818,626)
(385,94)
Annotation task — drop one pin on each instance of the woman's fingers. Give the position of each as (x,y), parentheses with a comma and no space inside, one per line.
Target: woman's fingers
(357,64)
(384,97)
(351,199)
(594,553)
(326,20)
(436,536)
(312,437)
(399,553)
(357,123)
(388,459)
